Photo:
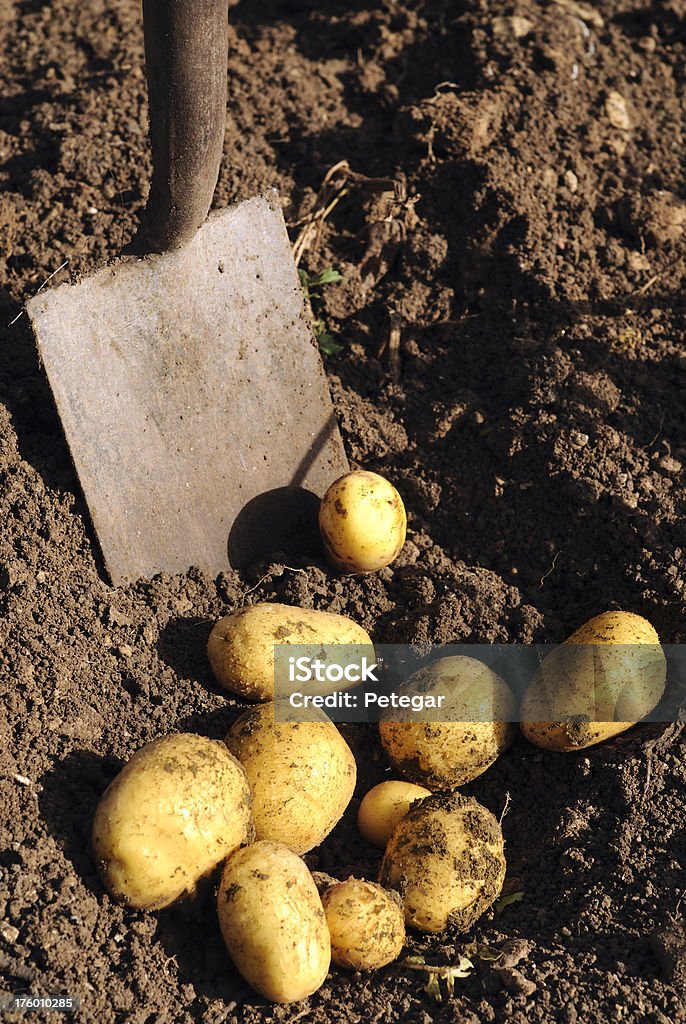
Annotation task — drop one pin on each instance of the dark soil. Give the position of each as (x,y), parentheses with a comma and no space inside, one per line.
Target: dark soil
(533,420)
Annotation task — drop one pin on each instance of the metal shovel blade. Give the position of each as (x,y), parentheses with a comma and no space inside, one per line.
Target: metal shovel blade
(192,396)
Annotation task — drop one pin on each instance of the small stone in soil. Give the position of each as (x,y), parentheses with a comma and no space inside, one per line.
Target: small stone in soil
(515,982)
(514,951)
(616,110)
(8,932)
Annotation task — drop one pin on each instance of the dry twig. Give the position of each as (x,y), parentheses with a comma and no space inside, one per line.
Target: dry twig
(391,344)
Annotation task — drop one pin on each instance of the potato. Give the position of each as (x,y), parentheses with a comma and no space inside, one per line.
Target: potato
(273,922)
(241,646)
(175,811)
(366,924)
(362,522)
(446,860)
(475,724)
(302,775)
(608,675)
(383,807)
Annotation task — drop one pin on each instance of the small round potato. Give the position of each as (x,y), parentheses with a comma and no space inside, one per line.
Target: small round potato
(175,811)
(241,645)
(383,807)
(476,723)
(302,775)
(362,522)
(446,859)
(607,676)
(366,924)
(273,922)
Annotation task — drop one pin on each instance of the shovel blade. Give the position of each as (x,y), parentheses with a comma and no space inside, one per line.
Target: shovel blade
(193,397)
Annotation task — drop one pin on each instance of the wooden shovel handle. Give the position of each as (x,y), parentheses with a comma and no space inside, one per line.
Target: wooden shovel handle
(186,46)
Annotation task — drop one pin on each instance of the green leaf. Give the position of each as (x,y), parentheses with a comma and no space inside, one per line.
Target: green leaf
(310,281)
(329,276)
(325,340)
(505,901)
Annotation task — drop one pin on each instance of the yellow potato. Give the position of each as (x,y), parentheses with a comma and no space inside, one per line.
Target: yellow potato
(362,522)
(383,807)
(366,924)
(607,676)
(273,922)
(446,859)
(302,775)
(476,722)
(241,645)
(175,811)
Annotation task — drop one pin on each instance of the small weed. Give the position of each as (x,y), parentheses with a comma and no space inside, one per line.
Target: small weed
(462,969)
(311,286)
(311,282)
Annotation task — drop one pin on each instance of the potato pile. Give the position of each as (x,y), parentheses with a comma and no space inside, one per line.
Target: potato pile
(185,806)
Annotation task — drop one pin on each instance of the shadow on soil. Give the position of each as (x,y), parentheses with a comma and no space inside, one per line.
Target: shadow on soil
(71,792)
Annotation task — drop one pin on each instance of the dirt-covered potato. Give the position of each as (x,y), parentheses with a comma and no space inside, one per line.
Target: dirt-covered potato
(362,522)
(241,645)
(608,675)
(366,924)
(302,775)
(383,806)
(175,811)
(273,923)
(446,859)
(473,725)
